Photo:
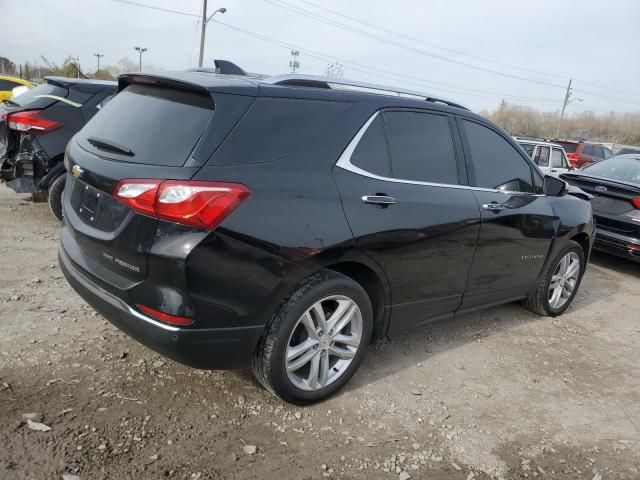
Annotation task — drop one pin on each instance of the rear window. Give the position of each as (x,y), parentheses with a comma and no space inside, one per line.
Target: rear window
(626,168)
(159,126)
(569,147)
(41,96)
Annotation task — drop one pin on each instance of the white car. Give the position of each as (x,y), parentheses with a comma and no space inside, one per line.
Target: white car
(550,157)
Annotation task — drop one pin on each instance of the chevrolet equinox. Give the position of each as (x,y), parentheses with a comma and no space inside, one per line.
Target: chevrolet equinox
(283,223)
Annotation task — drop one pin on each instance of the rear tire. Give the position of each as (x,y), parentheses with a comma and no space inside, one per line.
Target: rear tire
(558,283)
(56,189)
(308,353)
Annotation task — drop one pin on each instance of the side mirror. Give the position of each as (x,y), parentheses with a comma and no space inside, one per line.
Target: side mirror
(553,187)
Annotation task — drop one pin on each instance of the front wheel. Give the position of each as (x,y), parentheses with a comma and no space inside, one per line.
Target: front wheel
(559,282)
(316,341)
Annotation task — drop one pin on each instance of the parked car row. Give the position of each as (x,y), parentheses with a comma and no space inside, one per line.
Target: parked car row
(35,128)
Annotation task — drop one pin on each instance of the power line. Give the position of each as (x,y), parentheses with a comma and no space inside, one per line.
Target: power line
(380,39)
(433,45)
(366,68)
(458,52)
(356,66)
(152,7)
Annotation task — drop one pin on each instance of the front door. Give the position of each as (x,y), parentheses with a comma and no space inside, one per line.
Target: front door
(400,186)
(517,221)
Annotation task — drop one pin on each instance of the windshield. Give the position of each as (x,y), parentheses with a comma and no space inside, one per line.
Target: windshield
(622,167)
(33,98)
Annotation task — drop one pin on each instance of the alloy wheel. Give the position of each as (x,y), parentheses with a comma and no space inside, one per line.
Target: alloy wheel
(564,280)
(323,343)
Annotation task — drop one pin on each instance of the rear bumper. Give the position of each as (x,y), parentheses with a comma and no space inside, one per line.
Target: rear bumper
(210,348)
(617,244)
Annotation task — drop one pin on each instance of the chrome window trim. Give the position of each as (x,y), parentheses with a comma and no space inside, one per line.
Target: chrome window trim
(344,162)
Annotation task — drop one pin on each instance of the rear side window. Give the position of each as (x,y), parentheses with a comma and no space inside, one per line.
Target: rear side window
(421,147)
(7,85)
(495,162)
(589,150)
(41,96)
(160,126)
(569,147)
(557,159)
(542,156)
(372,154)
(273,128)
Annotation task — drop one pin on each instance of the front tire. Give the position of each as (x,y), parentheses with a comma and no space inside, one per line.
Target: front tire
(56,189)
(559,282)
(317,339)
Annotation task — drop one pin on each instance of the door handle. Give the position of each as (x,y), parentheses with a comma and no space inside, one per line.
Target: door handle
(380,200)
(494,207)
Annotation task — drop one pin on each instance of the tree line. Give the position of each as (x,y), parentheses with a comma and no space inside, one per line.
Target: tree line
(614,127)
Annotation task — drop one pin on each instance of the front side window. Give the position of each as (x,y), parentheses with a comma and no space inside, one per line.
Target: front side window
(421,147)
(372,154)
(542,156)
(495,162)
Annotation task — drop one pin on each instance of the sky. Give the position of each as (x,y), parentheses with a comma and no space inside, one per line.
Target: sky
(474,52)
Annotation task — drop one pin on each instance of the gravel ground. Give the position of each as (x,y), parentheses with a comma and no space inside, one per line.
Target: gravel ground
(498,394)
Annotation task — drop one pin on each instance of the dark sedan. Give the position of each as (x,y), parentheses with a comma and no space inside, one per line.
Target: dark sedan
(615,185)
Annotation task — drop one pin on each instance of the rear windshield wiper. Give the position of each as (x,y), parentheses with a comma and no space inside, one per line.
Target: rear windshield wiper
(11,103)
(106,145)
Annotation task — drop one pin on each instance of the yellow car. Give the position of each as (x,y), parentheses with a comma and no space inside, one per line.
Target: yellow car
(7,84)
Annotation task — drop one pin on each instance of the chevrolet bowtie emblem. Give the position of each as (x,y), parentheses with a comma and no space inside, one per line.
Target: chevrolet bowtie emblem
(76,171)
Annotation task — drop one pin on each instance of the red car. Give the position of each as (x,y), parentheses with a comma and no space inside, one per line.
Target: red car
(580,154)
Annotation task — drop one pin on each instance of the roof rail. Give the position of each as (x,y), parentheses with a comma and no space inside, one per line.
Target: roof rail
(316,81)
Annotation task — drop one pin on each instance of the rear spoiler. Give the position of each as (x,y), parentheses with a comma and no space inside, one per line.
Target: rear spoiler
(127,79)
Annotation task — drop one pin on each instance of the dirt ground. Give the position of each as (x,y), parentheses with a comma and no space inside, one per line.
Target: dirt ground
(499,394)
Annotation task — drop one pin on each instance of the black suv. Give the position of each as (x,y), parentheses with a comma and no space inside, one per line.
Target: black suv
(36,127)
(283,223)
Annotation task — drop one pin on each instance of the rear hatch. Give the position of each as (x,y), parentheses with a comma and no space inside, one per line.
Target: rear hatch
(145,132)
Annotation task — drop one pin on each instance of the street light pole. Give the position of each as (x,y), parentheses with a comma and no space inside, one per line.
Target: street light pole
(98,56)
(203,30)
(140,50)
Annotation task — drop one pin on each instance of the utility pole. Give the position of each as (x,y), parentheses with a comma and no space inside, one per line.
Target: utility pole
(140,50)
(567,96)
(203,29)
(98,56)
(294,64)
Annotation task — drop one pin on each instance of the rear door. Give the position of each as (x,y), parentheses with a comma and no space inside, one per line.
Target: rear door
(405,198)
(517,220)
(145,132)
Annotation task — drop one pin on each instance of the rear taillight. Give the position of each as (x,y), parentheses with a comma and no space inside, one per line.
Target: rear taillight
(636,202)
(199,204)
(30,121)
(573,158)
(165,317)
